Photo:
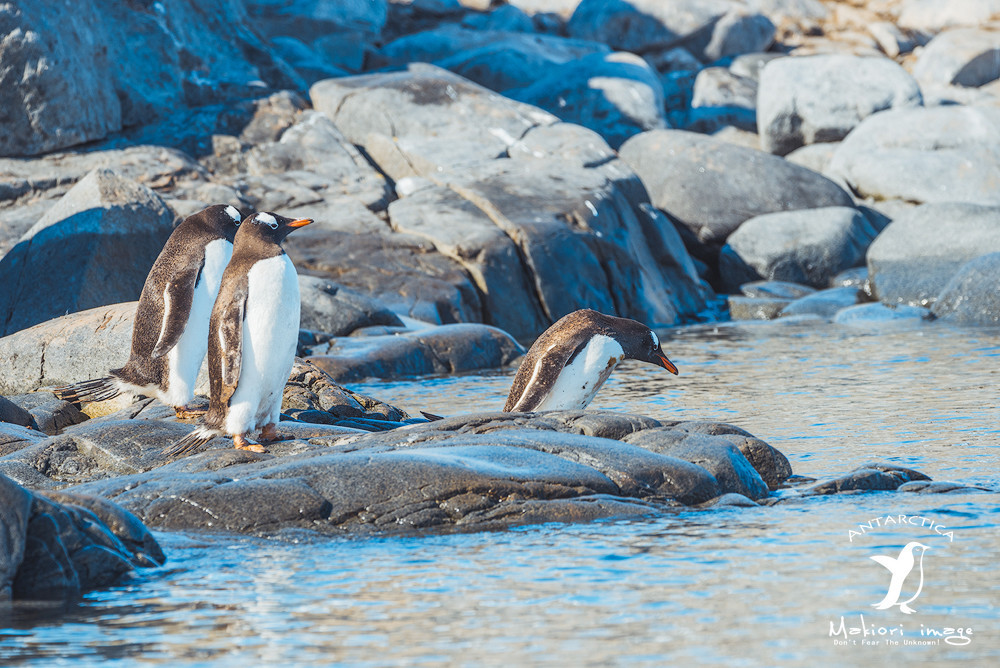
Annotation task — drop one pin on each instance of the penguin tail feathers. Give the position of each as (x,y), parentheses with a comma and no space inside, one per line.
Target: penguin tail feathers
(98,389)
(431,417)
(194,440)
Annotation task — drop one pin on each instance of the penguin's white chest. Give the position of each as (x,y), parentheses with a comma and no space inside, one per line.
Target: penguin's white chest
(270,336)
(578,382)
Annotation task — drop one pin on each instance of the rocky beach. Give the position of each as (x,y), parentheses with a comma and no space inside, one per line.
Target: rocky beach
(724,171)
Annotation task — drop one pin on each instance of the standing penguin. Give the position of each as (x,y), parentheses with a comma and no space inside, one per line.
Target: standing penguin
(252,337)
(170,332)
(569,362)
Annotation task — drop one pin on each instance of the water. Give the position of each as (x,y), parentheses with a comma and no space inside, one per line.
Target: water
(739,587)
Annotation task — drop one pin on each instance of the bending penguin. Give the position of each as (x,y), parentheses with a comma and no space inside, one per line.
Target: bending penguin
(170,332)
(569,362)
(252,337)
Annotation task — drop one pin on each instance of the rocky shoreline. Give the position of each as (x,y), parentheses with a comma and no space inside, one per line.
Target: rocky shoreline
(476,169)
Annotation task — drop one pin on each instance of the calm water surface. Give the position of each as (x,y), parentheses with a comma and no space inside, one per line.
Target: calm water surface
(735,586)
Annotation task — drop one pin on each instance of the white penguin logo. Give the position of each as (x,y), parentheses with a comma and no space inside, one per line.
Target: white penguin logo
(900,567)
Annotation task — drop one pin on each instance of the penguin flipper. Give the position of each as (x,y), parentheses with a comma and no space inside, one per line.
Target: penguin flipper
(177,299)
(230,335)
(888,562)
(526,395)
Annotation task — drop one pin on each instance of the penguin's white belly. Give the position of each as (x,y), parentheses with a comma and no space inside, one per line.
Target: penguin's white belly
(270,336)
(184,360)
(578,382)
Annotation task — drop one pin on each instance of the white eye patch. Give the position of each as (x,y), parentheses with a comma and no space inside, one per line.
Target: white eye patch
(267,219)
(233,213)
(656,341)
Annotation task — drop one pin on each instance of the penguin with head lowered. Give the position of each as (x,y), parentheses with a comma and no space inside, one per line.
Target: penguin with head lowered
(253,334)
(569,362)
(170,332)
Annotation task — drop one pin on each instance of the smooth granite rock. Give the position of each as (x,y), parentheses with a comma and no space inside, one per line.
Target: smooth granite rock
(915,257)
(808,246)
(972,294)
(338,311)
(94,247)
(712,187)
(821,98)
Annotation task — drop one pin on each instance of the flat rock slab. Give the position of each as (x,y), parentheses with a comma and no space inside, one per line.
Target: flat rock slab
(444,349)
(462,473)
(56,545)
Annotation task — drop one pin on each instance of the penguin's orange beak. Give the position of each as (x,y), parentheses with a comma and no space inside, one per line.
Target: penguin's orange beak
(666,364)
(301,222)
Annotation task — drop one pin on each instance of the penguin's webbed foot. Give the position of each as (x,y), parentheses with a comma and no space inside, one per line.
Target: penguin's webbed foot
(269,434)
(241,442)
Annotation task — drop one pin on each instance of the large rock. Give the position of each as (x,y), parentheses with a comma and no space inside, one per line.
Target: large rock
(77,71)
(711,29)
(616,95)
(821,98)
(445,349)
(931,17)
(712,187)
(916,256)
(94,247)
(415,121)
(720,98)
(338,311)
(960,57)
(56,545)
(512,226)
(939,154)
(502,61)
(471,472)
(66,350)
(807,246)
(57,83)
(972,295)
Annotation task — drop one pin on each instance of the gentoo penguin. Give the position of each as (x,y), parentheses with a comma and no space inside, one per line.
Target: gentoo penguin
(569,362)
(900,567)
(252,337)
(170,332)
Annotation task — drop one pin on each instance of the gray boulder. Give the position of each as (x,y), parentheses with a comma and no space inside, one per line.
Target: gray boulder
(14,437)
(931,17)
(776,289)
(56,545)
(502,230)
(916,256)
(710,29)
(12,413)
(46,82)
(445,349)
(821,98)
(939,154)
(875,477)
(960,57)
(90,81)
(66,350)
(825,303)
(712,187)
(616,95)
(472,472)
(338,311)
(808,246)
(720,98)
(99,240)
(972,295)
(49,414)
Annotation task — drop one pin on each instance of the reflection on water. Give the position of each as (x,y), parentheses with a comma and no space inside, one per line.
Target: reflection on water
(749,587)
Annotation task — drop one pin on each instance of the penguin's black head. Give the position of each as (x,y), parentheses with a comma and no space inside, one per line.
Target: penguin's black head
(272,226)
(641,343)
(222,219)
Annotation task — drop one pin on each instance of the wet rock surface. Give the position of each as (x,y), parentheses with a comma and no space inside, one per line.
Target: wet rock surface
(56,545)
